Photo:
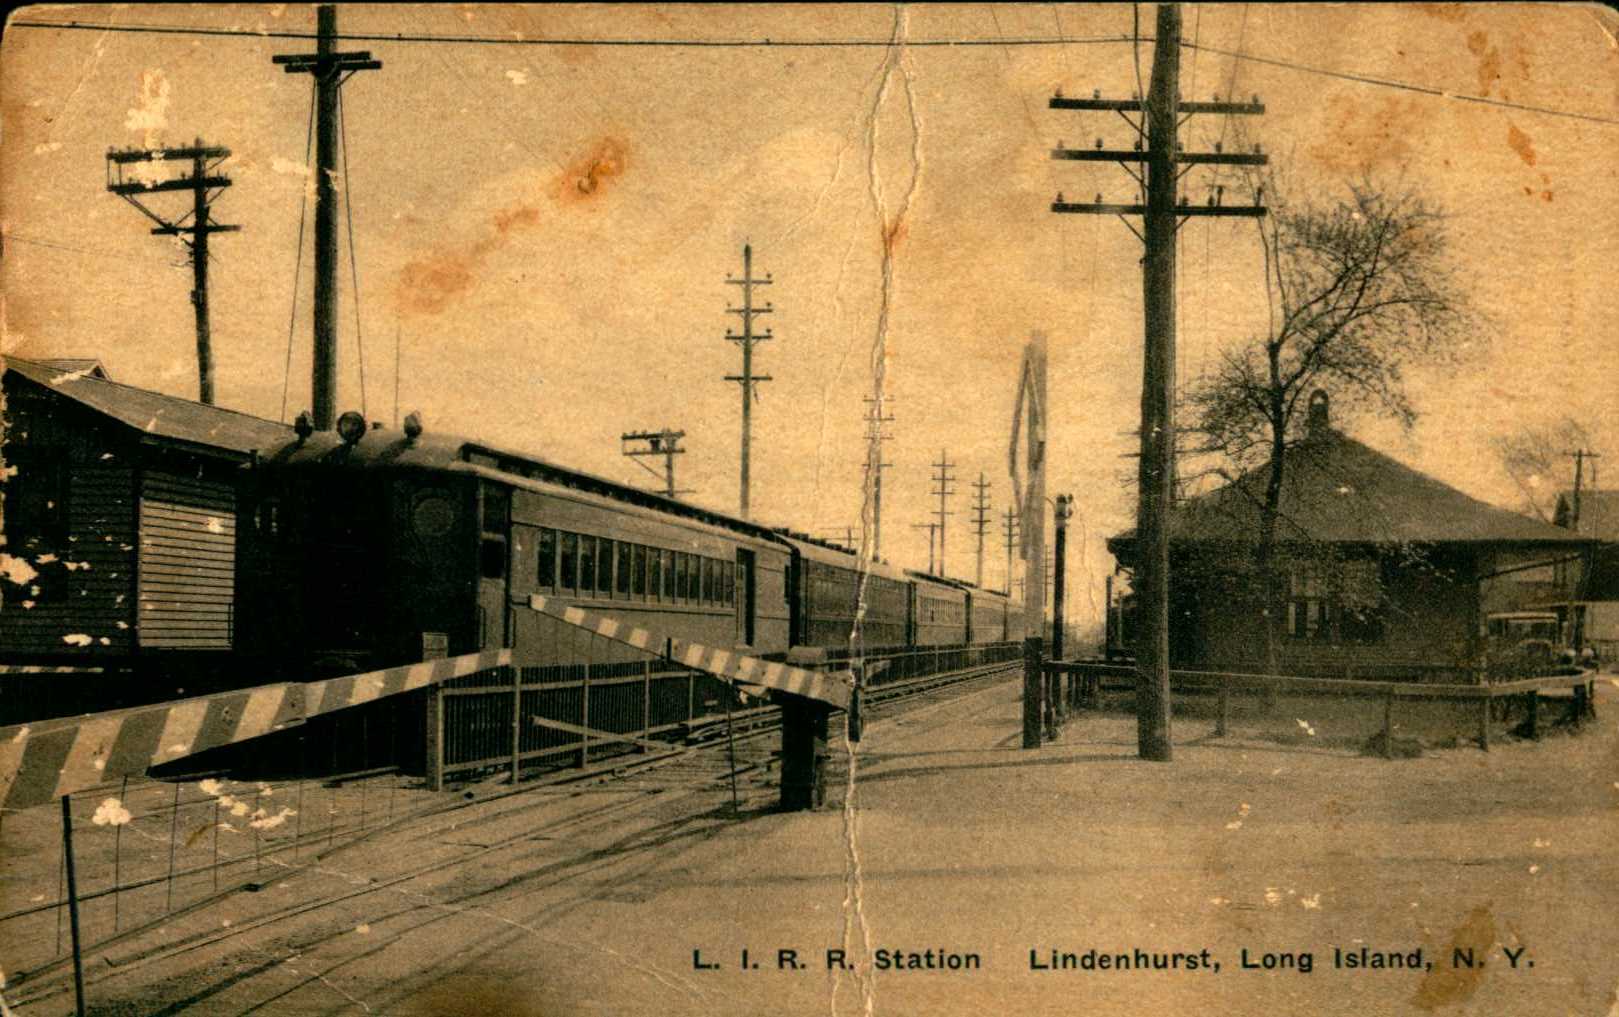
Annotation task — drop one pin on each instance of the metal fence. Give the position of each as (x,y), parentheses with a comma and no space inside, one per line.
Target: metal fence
(507,717)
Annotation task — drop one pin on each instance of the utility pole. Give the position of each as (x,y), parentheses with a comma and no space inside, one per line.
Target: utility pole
(1010,519)
(1576,617)
(1030,497)
(747,379)
(980,522)
(330,69)
(1065,509)
(942,491)
(875,465)
(205,184)
(933,529)
(665,443)
(1161,217)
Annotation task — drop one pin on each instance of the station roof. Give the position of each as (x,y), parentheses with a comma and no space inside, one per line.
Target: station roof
(164,417)
(1337,490)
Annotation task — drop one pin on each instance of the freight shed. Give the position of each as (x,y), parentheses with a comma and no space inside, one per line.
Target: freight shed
(120,524)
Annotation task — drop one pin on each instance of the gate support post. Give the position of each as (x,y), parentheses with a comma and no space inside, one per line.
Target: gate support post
(804,730)
(435,738)
(803,752)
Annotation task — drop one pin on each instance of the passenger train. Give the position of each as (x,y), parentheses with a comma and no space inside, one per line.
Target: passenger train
(366,548)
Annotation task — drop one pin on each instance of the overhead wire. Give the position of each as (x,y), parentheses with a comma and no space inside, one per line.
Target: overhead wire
(298,260)
(354,265)
(850,43)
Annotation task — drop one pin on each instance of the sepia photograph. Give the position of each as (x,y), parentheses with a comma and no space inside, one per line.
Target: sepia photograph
(774,509)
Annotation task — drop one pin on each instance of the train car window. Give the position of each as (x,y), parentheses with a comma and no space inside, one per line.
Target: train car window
(587,565)
(604,567)
(638,572)
(624,554)
(668,587)
(654,575)
(682,571)
(546,574)
(495,503)
(570,561)
(268,517)
(729,570)
(694,579)
(707,591)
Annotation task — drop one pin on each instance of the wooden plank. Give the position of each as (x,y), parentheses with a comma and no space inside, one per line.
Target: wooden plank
(184,554)
(162,580)
(184,601)
(188,535)
(162,566)
(184,510)
(159,611)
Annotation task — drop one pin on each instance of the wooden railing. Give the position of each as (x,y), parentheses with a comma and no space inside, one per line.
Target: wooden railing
(1087,678)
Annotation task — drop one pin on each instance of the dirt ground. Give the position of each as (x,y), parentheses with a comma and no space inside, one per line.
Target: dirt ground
(958,842)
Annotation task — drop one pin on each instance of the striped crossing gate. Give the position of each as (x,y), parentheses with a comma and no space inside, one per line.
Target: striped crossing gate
(833,689)
(46,760)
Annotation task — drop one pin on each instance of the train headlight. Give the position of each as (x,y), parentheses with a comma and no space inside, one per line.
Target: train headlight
(351,427)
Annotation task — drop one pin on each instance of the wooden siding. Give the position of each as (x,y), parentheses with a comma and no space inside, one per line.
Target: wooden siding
(84,592)
(187,564)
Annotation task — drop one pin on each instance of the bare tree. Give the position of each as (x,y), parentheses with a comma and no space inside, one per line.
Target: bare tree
(1535,456)
(1360,288)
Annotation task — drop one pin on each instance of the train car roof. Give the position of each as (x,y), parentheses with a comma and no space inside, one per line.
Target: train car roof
(841,558)
(386,448)
(932,580)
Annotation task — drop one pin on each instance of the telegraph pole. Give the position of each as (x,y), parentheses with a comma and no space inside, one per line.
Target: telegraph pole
(1030,495)
(747,379)
(875,465)
(1065,509)
(665,443)
(330,69)
(205,184)
(933,529)
(1161,217)
(942,491)
(1576,617)
(980,522)
(1009,518)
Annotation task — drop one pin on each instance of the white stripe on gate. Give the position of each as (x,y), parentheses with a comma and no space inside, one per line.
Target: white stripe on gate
(11,753)
(722,663)
(693,657)
(259,711)
(86,761)
(606,627)
(639,638)
(180,730)
(367,687)
(418,675)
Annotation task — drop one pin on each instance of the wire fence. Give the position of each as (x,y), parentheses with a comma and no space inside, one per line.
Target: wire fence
(144,850)
(1383,718)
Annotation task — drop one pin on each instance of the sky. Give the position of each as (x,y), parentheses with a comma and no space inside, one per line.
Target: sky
(542,231)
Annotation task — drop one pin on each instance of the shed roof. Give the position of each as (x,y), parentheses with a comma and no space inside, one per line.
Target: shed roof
(153,413)
(1337,490)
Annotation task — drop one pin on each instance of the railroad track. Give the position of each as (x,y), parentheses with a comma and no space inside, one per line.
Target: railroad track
(548,829)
